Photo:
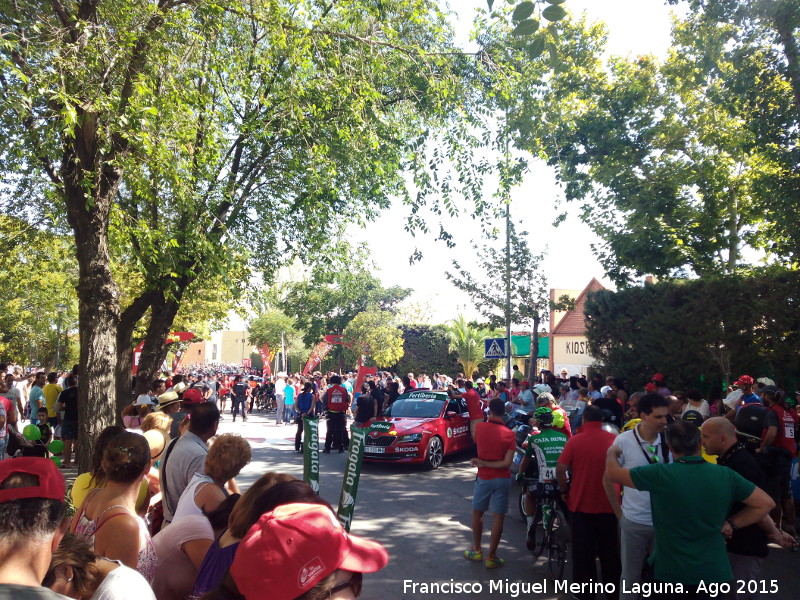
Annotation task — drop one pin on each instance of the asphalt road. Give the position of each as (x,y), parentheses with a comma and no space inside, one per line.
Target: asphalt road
(423,519)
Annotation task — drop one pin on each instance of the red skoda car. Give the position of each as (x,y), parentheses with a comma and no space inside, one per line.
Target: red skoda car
(420,427)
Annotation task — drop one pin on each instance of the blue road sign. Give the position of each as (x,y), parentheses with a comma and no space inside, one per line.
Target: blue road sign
(494,348)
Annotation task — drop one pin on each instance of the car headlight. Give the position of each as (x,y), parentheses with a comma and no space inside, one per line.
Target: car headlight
(412,437)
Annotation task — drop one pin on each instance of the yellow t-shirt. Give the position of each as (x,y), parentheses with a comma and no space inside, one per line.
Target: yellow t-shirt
(83,485)
(50,392)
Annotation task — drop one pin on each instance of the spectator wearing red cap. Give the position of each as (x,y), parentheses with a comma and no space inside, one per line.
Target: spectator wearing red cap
(32,511)
(661,385)
(300,551)
(745,384)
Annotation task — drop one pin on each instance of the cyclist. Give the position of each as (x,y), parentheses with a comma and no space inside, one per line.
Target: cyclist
(546,445)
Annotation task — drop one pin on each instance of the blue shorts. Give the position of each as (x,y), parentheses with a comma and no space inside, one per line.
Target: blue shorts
(496,490)
(69,430)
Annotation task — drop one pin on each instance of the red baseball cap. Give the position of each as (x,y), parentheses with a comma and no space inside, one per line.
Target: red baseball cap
(650,388)
(658,378)
(744,380)
(192,396)
(526,383)
(291,549)
(51,481)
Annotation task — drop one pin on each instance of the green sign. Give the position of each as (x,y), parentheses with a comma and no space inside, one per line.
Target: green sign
(311,452)
(352,473)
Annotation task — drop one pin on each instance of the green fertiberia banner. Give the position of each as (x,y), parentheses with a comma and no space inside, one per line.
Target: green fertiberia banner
(352,473)
(311,452)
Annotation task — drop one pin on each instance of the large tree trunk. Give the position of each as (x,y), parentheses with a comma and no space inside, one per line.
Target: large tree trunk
(162,316)
(98,299)
(130,317)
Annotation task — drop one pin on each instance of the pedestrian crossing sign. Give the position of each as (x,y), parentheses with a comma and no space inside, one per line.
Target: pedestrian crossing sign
(494,348)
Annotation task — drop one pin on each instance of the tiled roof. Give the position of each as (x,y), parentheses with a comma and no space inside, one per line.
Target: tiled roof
(573,323)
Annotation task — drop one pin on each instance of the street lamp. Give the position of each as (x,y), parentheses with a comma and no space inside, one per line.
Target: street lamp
(61,309)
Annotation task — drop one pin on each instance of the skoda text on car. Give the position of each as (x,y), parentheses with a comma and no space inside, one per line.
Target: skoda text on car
(420,427)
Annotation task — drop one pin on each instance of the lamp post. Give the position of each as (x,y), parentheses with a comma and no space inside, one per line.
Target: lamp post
(61,309)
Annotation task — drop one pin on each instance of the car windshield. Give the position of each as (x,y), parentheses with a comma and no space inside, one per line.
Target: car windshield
(416,409)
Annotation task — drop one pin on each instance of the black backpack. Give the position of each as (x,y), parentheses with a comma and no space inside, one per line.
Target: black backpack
(749,422)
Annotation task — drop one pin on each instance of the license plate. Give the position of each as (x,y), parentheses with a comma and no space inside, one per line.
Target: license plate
(374,450)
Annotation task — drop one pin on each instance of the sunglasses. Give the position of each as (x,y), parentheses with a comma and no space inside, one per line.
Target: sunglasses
(354,583)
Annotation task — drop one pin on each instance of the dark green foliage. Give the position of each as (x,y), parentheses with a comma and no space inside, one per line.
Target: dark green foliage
(425,350)
(700,331)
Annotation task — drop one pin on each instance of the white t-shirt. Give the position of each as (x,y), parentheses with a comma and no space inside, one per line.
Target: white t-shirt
(280,386)
(124,583)
(636,503)
(703,410)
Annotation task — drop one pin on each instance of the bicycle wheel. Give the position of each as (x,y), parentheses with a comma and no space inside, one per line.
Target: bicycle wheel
(557,545)
(522,514)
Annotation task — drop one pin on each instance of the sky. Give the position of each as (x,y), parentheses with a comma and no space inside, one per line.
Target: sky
(635,27)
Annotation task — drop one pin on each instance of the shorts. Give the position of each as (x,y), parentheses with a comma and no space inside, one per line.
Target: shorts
(497,490)
(69,430)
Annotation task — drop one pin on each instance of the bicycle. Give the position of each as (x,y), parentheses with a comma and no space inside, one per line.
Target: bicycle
(549,531)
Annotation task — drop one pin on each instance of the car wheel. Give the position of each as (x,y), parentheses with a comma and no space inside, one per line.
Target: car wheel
(435,454)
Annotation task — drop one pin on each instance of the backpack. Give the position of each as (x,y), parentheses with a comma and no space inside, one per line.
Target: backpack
(749,422)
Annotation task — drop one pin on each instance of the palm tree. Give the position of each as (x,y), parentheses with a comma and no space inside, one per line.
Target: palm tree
(466,340)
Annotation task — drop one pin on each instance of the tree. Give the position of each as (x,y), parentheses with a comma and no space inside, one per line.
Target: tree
(676,165)
(373,334)
(426,349)
(335,292)
(185,123)
(466,341)
(699,332)
(530,297)
(40,271)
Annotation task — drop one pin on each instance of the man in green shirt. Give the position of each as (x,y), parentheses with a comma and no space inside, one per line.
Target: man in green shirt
(691,499)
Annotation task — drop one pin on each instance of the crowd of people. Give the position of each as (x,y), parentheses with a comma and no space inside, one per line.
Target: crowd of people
(652,481)
(682,503)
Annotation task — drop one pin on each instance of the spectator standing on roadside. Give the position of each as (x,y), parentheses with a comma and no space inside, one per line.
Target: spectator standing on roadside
(280,398)
(186,456)
(32,510)
(51,392)
(691,500)
(643,445)
(747,547)
(68,402)
(36,397)
(305,408)
(288,402)
(496,445)
(594,523)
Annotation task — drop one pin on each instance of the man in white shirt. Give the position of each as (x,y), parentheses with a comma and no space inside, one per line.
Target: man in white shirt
(280,397)
(642,445)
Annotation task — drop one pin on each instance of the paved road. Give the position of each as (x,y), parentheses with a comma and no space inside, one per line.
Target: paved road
(423,519)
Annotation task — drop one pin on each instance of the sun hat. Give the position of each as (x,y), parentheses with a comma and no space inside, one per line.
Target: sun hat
(167,399)
(294,547)
(143,399)
(51,482)
(178,387)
